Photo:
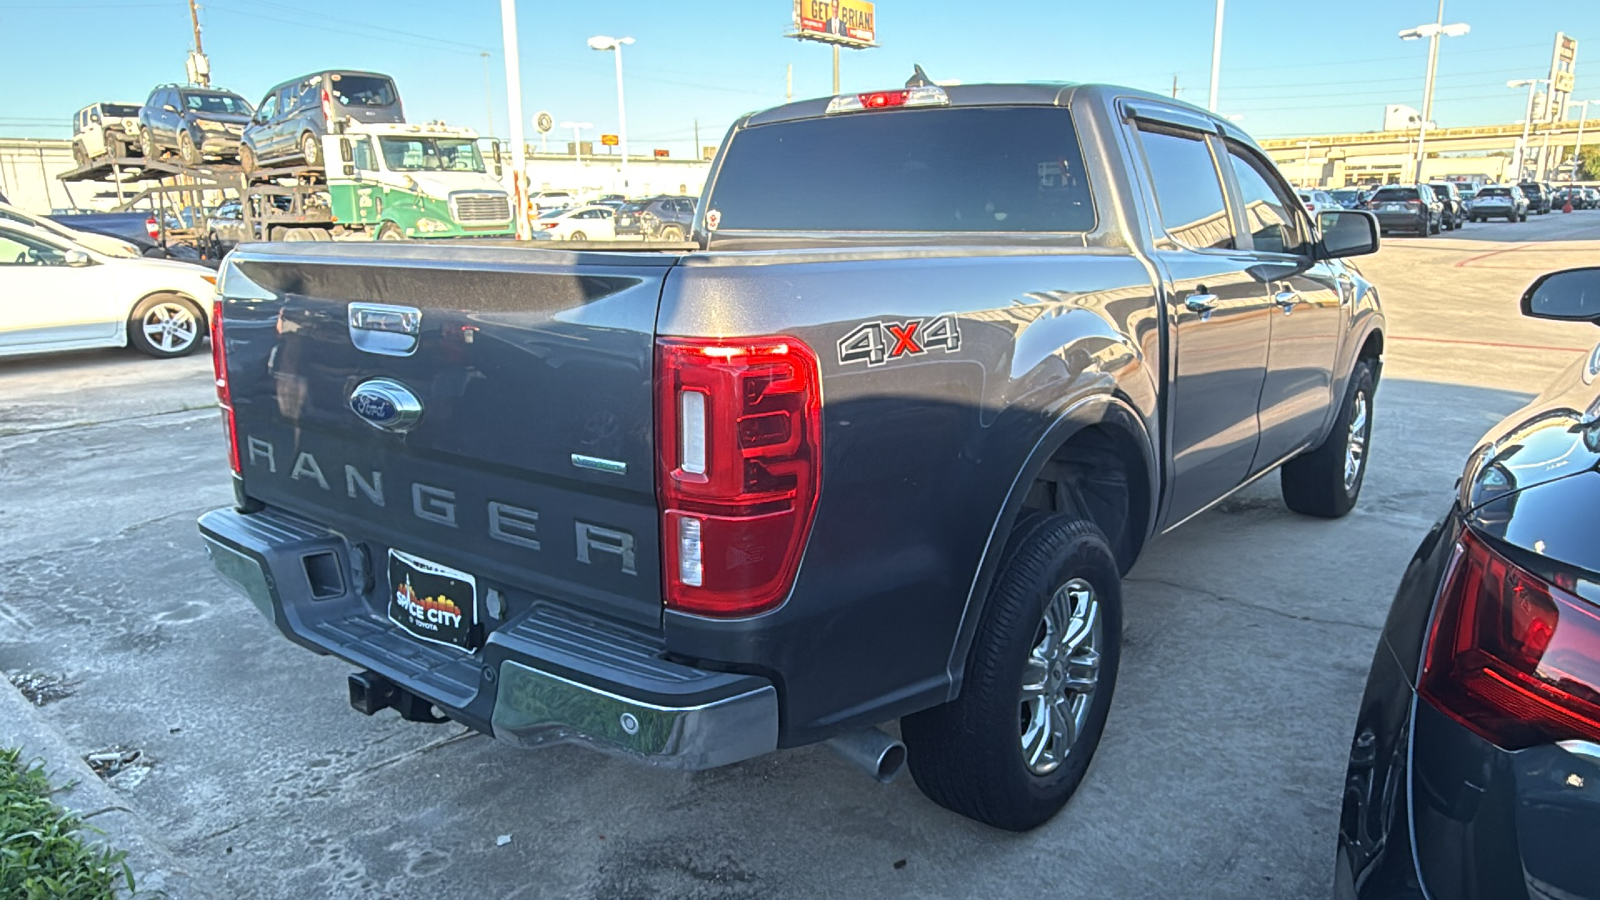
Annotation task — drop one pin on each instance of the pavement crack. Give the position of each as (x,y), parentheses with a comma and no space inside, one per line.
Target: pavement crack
(73,426)
(1273,610)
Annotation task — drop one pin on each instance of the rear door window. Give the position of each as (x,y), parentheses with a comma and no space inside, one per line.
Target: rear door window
(1188,188)
(363,90)
(962,169)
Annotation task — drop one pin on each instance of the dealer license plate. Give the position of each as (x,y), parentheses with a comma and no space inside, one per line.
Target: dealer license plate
(433,602)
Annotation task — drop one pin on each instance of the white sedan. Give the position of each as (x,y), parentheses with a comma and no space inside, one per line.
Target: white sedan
(102,243)
(581,223)
(56,295)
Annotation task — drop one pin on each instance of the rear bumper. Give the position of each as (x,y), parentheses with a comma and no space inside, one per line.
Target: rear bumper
(1403,222)
(545,676)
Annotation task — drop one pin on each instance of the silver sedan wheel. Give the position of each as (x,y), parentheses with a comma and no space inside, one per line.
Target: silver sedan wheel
(170,327)
(1355,448)
(1060,677)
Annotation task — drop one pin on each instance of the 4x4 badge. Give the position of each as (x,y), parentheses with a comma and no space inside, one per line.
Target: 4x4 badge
(876,343)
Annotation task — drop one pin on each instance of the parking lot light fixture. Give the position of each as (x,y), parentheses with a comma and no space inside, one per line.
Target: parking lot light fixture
(1527,121)
(606,42)
(1432,32)
(1577,146)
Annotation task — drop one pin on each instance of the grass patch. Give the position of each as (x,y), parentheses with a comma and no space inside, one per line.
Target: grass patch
(43,853)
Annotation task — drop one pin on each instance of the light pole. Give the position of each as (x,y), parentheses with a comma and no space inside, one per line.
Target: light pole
(1527,121)
(488,97)
(519,157)
(577,138)
(1216,59)
(1577,147)
(603,42)
(1431,31)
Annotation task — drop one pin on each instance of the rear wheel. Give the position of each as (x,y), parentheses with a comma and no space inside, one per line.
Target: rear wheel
(1326,481)
(187,150)
(1013,747)
(310,149)
(247,159)
(320,234)
(577,236)
(116,147)
(165,325)
(672,233)
(389,231)
(298,234)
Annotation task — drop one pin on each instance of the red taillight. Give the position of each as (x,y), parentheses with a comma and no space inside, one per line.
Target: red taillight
(219,368)
(552,224)
(153,228)
(1511,656)
(881,99)
(327,106)
(739,432)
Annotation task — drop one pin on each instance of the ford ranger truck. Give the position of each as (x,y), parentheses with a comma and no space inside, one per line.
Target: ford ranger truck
(880,446)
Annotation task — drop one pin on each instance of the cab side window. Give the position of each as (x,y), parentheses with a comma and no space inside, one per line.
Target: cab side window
(1188,188)
(363,157)
(1269,210)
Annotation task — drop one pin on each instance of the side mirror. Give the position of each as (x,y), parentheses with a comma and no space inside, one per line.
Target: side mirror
(77,259)
(1571,295)
(345,153)
(495,149)
(1347,232)
(348,169)
(169,107)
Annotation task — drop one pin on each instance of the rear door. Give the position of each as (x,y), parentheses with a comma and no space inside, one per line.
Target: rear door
(44,302)
(531,466)
(1307,315)
(1219,314)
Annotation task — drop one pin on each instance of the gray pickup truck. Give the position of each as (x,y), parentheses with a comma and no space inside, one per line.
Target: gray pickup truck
(879,447)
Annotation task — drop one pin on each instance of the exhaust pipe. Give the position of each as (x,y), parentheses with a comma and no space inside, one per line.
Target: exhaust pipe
(875,752)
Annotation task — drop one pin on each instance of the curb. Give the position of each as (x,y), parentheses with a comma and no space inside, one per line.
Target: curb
(156,872)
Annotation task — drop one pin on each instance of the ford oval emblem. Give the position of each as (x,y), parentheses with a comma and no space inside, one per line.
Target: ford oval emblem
(386,403)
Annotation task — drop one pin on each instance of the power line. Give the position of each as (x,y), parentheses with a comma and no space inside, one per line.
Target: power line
(213,7)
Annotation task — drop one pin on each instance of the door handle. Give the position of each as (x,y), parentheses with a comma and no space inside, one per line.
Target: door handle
(1200,302)
(1286,299)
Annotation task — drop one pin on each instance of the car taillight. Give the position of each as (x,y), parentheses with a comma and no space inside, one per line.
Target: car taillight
(327,106)
(924,95)
(739,431)
(153,228)
(1510,656)
(219,368)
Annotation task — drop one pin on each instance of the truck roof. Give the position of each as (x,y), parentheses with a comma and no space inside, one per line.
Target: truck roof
(1032,93)
(408,128)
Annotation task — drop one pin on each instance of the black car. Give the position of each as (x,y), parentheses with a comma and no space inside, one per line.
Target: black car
(1475,768)
(294,116)
(1454,214)
(198,122)
(1349,198)
(666,218)
(1538,194)
(1407,207)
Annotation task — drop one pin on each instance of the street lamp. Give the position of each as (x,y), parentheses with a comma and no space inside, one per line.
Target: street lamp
(1431,31)
(1216,57)
(1577,147)
(1527,120)
(603,42)
(577,137)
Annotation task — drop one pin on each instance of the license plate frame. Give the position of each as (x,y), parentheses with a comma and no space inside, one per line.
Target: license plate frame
(433,602)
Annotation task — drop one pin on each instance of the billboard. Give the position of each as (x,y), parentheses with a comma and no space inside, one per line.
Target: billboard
(1563,74)
(851,22)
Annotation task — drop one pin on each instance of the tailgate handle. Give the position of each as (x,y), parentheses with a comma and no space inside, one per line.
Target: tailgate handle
(385,329)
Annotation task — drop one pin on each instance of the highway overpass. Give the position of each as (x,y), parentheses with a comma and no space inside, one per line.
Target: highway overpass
(1335,160)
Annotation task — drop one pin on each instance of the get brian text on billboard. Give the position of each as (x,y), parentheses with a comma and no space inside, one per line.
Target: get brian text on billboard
(836,21)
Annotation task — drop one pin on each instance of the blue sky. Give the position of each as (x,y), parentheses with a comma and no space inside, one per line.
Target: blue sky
(1287,68)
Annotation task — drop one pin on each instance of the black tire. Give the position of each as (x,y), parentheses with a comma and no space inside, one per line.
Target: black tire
(310,150)
(577,236)
(389,231)
(1435,227)
(672,233)
(319,234)
(1316,482)
(116,148)
(147,144)
(187,151)
(967,755)
(154,312)
(1524,218)
(80,155)
(297,235)
(247,160)
(277,232)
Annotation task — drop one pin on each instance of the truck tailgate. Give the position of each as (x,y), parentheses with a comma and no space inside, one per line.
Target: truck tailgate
(530,467)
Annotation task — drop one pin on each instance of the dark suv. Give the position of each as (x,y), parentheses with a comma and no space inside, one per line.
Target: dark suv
(198,122)
(1538,194)
(1407,207)
(1454,214)
(664,218)
(294,116)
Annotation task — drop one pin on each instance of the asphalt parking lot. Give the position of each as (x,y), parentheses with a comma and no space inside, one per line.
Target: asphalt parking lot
(1248,636)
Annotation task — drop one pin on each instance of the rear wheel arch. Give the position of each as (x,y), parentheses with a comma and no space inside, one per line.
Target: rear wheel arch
(1103,429)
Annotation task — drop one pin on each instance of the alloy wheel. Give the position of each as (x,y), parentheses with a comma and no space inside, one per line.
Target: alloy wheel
(170,327)
(1060,676)
(1355,448)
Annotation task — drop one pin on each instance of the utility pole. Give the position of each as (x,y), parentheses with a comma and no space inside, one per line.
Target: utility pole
(1174,85)
(519,152)
(199,67)
(1216,57)
(488,97)
(1531,84)
(696,138)
(836,66)
(788,85)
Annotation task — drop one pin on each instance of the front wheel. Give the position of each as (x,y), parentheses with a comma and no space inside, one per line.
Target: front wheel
(165,325)
(1326,481)
(310,149)
(1011,750)
(672,233)
(187,150)
(147,144)
(389,231)
(247,159)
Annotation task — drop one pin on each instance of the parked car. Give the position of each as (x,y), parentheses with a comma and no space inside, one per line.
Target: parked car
(1412,208)
(723,489)
(100,243)
(580,223)
(1467,192)
(1317,202)
(105,131)
(1475,768)
(74,298)
(200,123)
(1454,213)
(1539,196)
(548,200)
(293,117)
(1500,201)
(1348,198)
(666,218)
(1591,198)
(141,228)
